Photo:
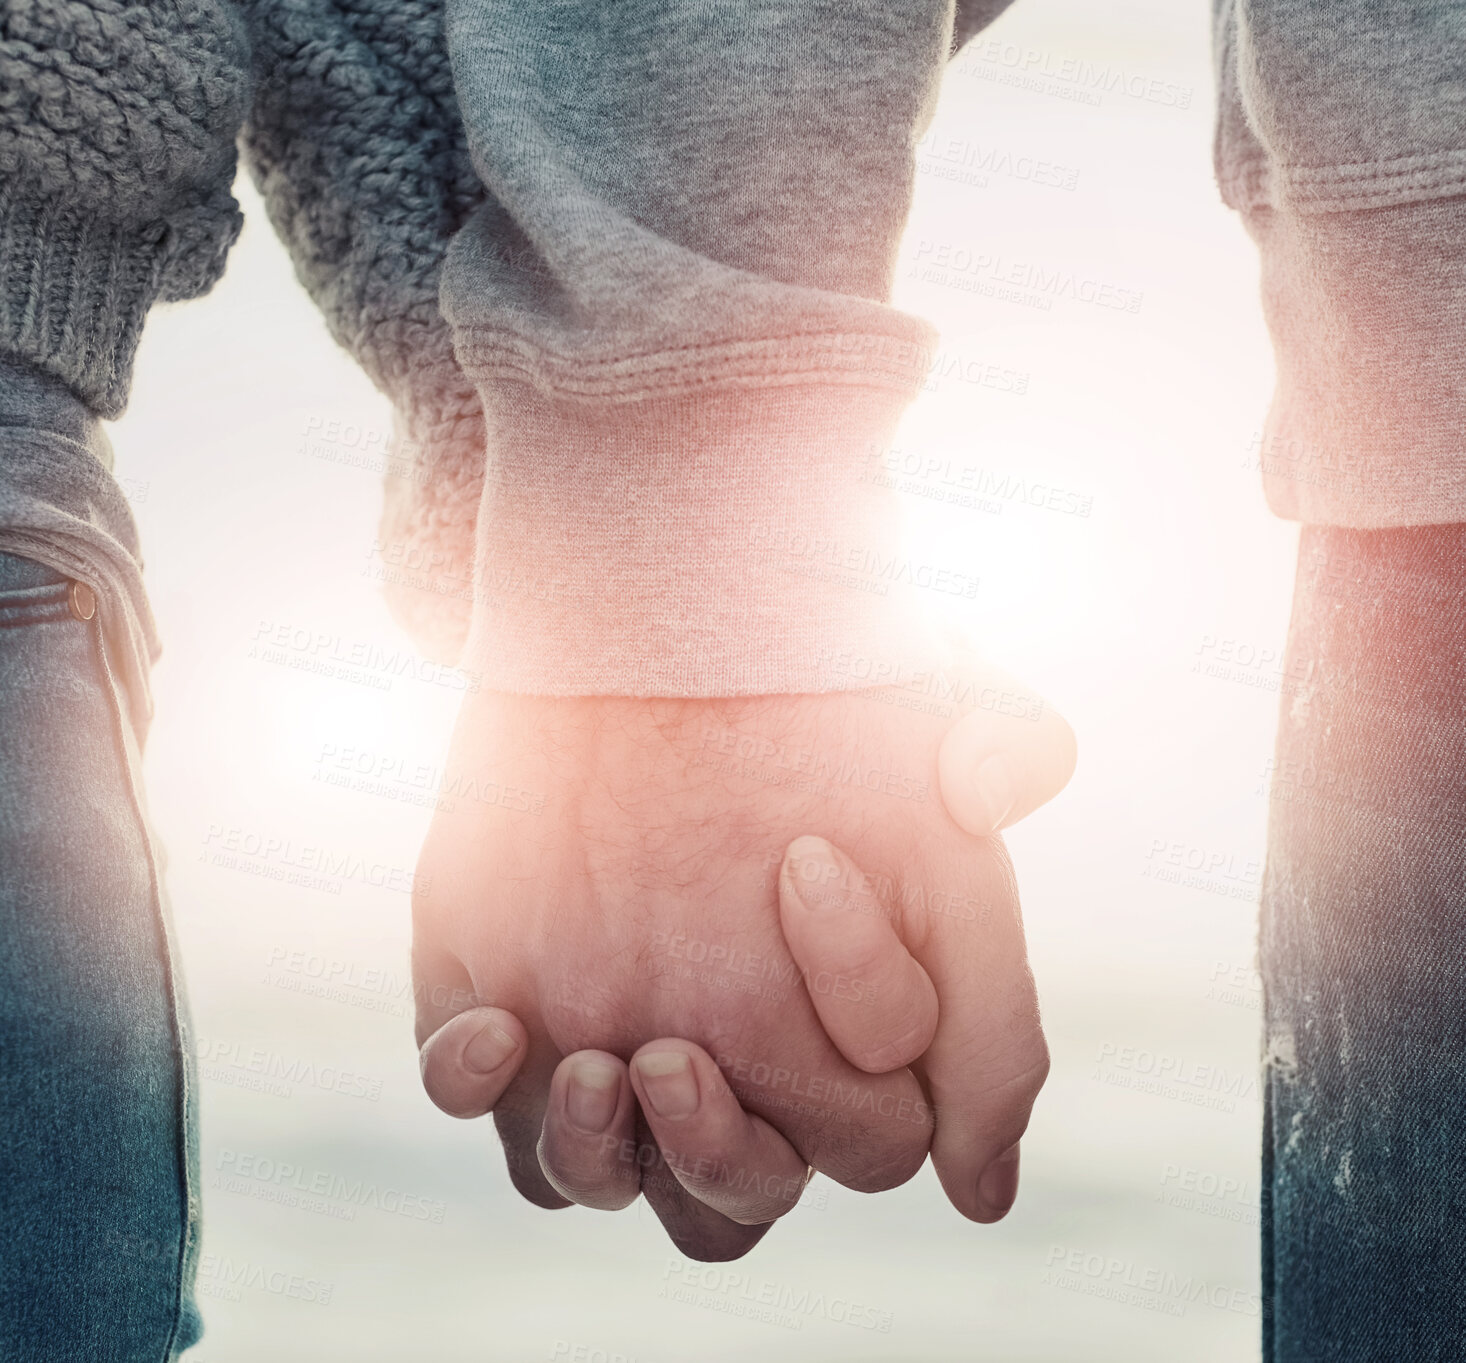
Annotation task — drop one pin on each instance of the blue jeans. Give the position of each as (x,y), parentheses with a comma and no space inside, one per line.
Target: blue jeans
(1364,957)
(98,1160)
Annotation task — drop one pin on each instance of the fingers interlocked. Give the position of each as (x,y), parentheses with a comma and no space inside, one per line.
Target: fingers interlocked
(670,1123)
(729,1160)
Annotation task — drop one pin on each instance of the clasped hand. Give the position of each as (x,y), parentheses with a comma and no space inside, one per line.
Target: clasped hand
(728,942)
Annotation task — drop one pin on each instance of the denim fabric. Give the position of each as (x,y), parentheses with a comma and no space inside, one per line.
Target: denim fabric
(97,1155)
(1364,957)
(61,506)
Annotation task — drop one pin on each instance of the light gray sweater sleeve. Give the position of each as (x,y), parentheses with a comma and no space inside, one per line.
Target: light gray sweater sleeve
(1341,138)
(623,270)
(673,304)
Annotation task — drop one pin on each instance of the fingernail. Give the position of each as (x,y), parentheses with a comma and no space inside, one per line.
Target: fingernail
(592,1094)
(669,1083)
(995,789)
(998,1185)
(810,869)
(489,1049)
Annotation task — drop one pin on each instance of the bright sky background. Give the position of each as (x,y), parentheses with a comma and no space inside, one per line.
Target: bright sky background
(1154,622)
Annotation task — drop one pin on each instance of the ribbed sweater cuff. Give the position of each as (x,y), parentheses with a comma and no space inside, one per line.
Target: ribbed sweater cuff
(1367,310)
(74,290)
(693,544)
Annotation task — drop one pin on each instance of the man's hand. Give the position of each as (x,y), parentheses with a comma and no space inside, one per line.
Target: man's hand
(609,876)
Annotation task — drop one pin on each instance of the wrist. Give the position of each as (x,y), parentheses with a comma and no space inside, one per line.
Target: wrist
(693,545)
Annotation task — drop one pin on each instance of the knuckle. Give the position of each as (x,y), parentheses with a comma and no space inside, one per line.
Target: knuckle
(1030,1066)
(606,1189)
(903,1037)
(582,1017)
(749,1196)
(1009,1093)
(899,1165)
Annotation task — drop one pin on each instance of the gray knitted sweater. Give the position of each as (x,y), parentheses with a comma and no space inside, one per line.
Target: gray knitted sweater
(634,259)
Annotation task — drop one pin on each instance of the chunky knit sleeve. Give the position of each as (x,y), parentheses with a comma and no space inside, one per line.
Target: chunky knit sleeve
(117,126)
(355,140)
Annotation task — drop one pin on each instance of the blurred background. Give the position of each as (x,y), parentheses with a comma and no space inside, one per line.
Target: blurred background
(1087,446)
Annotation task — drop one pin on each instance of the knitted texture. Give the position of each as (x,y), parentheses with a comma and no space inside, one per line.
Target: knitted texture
(117,123)
(117,127)
(356,143)
(360,143)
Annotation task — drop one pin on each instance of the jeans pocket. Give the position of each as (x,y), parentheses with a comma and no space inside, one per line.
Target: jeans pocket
(37,594)
(32,593)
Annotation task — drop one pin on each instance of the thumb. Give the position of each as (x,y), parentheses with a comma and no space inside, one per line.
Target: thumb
(1004,759)
(873,998)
